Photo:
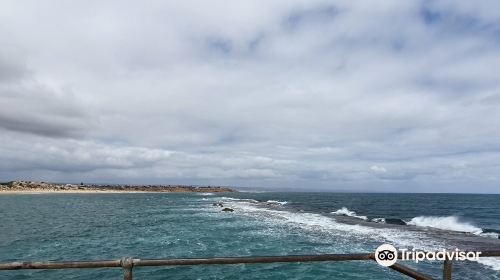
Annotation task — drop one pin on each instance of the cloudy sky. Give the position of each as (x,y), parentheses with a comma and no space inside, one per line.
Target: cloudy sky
(334,95)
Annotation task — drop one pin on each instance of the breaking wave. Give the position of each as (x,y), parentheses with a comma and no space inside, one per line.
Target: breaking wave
(320,223)
(277,202)
(491,233)
(239,199)
(452,223)
(445,223)
(346,212)
(398,237)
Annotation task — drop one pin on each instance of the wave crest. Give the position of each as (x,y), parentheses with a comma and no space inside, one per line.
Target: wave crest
(445,223)
(277,202)
(346,212)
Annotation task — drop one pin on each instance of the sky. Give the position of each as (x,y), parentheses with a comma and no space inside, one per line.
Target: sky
(396,96)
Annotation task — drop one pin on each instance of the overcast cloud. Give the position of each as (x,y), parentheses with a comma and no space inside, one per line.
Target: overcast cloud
(337,95)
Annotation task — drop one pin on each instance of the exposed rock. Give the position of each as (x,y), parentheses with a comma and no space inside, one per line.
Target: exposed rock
(227,210)
(395,221)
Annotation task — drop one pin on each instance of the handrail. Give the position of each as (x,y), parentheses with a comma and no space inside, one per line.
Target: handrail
(129,263)
(409,272)
(193,261)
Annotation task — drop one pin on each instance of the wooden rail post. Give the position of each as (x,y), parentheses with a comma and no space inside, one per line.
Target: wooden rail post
(447,269)
(127,264)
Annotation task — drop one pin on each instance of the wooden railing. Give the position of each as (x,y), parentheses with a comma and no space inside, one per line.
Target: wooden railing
(127,264)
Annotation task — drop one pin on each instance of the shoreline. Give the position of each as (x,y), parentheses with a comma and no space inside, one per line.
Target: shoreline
(30,187)
(8,192)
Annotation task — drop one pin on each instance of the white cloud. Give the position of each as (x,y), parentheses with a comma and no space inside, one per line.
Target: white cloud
(377,168)
(276,93)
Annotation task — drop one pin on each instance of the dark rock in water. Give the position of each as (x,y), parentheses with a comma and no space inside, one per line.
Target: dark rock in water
(227,210)
(395,221)
(218,204)
(215,204)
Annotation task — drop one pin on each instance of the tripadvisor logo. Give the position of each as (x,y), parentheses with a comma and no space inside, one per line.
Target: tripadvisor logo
(387,255)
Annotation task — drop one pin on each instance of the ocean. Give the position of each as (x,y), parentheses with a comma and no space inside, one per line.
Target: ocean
(61,227)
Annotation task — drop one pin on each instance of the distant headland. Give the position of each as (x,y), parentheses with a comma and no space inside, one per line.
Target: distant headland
(44,187)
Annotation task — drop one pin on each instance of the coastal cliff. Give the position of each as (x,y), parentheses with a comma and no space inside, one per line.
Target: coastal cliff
(31,186)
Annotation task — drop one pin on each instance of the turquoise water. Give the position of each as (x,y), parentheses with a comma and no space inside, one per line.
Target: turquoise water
(56,227)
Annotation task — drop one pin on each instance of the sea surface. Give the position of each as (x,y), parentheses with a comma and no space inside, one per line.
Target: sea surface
(62,227)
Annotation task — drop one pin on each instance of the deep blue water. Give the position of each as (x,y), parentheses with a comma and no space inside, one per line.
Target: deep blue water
(56,227)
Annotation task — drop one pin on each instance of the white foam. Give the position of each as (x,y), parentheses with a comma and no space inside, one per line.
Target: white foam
(205,194)
(324,224)
(379,220)
(493,263)
(490,234)
(320,223)
(277,202)
(239,199)
(446,223)
(346,212)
